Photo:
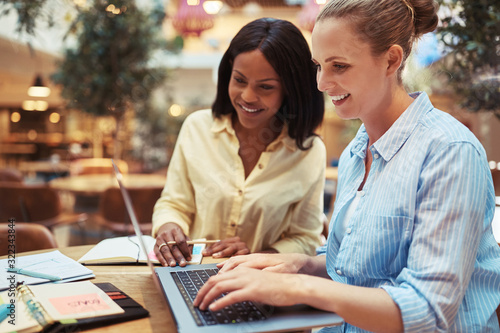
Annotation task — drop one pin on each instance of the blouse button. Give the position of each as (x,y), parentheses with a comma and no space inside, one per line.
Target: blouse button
(339,272)
(376,156)
(362,193)
(348,231)
(240,192)
(261,166)
(233,224)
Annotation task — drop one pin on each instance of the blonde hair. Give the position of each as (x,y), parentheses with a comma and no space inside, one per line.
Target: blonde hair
(383,23)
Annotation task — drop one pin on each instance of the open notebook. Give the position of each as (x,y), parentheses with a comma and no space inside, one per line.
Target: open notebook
(127,250)
(180,284)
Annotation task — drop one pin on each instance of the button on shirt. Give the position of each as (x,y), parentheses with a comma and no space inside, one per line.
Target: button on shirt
(422,231)
(278,205)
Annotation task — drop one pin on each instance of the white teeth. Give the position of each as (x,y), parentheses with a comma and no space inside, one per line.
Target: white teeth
(339,97)
(249,110)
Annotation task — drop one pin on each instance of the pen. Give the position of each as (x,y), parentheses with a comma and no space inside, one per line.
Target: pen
(195,242)
(4,312)
(34,274)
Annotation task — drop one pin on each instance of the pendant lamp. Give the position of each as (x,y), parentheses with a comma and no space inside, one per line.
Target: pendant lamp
(38,89)
(191,18)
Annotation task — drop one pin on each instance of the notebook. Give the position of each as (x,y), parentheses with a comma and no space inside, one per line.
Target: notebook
(39,307)
(179,284)
(132,311)
(126,250)
(53,262)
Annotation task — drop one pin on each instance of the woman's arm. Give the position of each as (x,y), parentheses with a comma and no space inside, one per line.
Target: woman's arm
(367,308)
(173,212)
(279,263)
(449,222)
(276,284)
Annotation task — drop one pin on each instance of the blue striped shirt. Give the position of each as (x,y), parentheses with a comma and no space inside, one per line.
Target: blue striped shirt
(422,228)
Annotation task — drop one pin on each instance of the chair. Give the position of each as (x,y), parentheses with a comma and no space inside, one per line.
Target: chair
(28,237)
(35,203)
(498,313)
(11,175)
(113,213)
(88,166)
(495,174)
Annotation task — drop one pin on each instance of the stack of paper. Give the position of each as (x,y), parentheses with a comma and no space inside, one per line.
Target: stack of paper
(51,263)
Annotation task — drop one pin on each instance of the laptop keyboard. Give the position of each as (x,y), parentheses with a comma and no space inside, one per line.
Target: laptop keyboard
(189,282)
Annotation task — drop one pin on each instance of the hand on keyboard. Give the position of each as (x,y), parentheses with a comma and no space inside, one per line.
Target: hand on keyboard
(248,284)
(280,263)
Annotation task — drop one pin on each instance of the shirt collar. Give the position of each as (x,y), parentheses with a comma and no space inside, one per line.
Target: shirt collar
(392,140)
(224,123)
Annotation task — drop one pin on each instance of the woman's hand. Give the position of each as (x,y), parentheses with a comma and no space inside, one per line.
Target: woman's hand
(279,262)
(248,284)
(170,255)
(226,248)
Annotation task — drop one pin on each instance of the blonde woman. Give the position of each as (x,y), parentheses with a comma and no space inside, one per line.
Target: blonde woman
(411,246)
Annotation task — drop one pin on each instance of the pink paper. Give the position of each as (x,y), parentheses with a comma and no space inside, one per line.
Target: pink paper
(152,255)
(79,304)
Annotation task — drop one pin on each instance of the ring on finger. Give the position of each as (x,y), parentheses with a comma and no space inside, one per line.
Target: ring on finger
(161,245)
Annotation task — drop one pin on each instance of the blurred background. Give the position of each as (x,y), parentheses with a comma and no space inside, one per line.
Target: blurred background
(82,81)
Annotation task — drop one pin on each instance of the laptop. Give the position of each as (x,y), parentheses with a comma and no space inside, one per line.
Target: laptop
(179,285)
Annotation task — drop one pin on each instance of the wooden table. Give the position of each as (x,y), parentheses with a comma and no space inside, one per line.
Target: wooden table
(137,282)
(95,184)
(45,170)
(44,167)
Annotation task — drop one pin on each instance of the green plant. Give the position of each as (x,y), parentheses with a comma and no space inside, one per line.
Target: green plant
(471,31)
(28,13)
(111,68)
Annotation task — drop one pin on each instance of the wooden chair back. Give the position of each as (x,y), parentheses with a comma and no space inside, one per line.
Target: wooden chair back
(113,213)
(498,313)
(34,203)
(11,175)
(495,174)
(28,203)
(28,237)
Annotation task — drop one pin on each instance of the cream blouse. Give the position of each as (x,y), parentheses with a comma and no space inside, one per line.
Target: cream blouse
(279,204)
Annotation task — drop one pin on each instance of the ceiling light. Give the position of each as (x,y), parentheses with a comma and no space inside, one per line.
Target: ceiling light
(38,89)
(175,110)
(252,9)
(212,7)
(15,117)
(54,117)
(30,105)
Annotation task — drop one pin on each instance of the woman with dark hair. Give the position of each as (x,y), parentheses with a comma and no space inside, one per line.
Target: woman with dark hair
(249,172)
(279,42)
(411,248)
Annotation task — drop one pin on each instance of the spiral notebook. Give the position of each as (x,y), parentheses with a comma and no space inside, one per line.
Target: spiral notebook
(38,307)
